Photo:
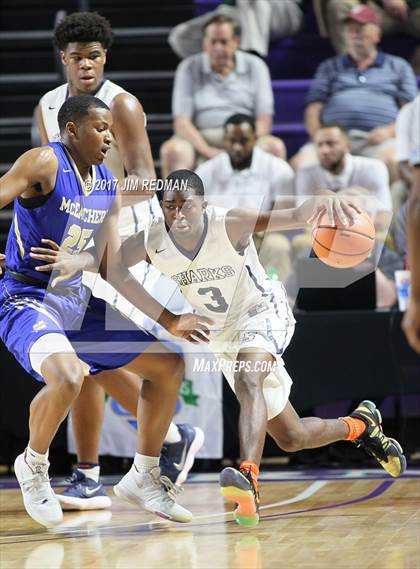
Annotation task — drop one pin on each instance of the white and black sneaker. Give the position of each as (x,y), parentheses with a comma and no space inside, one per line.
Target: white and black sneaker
(38,497)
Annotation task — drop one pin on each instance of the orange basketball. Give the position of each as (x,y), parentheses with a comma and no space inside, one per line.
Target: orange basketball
(343,246)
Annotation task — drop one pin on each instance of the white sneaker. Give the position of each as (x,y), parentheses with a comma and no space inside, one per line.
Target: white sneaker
(153,492)
(38,497)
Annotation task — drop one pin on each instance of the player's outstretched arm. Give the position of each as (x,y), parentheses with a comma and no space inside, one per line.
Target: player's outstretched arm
(36,168)
(240,222)
(113,269)
(134,250)
(66,264)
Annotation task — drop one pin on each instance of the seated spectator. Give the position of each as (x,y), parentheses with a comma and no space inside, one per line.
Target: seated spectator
(244,175)
(396,17)
(261,21)
(209,87)
(336,169)
(247,176)
(362,91)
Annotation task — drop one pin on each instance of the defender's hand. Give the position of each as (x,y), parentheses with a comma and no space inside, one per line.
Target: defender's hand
(191,327)
(57,259)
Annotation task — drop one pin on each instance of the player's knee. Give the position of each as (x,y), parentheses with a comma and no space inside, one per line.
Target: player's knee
(292,440)
(71,381)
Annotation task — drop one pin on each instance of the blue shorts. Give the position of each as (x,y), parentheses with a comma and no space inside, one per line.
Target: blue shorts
(100,335)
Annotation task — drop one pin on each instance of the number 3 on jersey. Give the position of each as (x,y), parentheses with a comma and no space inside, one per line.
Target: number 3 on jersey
(76,238)
(216,296)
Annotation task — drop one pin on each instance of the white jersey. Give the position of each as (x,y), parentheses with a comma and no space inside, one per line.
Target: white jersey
(131,218)
(218,281)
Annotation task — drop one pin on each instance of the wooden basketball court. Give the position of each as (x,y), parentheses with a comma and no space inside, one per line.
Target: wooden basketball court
(317,519)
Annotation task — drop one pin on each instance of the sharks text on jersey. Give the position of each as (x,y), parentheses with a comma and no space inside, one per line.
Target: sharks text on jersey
(203,275)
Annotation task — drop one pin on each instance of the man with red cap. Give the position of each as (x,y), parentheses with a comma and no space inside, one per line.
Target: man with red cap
(361,91)
(393,17)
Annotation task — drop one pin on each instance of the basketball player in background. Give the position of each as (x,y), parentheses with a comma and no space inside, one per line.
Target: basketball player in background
(210,253)
(411,321)
(84,39)
(59,335)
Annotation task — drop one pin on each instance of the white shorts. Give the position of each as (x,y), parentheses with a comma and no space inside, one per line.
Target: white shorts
(265,331)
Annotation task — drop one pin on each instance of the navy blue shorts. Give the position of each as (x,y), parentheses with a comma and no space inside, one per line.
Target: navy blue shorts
(100,335)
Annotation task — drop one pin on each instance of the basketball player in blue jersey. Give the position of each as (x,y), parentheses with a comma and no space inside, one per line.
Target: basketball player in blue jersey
(209,252)
(63,193)
(84,40)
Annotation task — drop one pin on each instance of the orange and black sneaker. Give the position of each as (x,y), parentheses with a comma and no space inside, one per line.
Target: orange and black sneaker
(240,487)
(386,451)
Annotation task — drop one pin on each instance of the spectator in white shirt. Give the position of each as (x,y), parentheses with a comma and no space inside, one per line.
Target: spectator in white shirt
(244,175)
(338,170)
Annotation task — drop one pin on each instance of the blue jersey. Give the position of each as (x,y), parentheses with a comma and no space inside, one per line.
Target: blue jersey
(70,215)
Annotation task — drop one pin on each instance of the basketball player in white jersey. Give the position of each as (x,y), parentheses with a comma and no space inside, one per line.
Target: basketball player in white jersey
(84,39)
(209,253)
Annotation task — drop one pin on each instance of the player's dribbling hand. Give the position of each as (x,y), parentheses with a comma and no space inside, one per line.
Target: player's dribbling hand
(191,327)
(57,259)
(2,258)
(411,324)
(338,209)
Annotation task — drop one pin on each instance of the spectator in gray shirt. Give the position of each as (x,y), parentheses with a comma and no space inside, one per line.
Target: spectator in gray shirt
(211,86)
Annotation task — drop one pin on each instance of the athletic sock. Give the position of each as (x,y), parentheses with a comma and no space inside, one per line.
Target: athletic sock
(32,457)
(143,463)
(253,468)
(356,427)
(90,470)
(173,435)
